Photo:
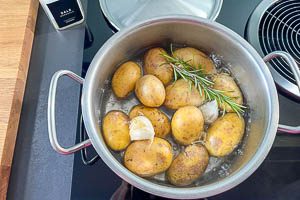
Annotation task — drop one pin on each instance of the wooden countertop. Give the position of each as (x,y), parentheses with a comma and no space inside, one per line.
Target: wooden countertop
(17,27)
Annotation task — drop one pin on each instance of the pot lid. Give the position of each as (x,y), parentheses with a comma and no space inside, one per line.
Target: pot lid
(123,13)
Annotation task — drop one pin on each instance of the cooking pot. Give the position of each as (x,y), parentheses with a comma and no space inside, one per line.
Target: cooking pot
(246,65)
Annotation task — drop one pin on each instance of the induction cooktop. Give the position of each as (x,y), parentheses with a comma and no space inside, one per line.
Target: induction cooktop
(277,178)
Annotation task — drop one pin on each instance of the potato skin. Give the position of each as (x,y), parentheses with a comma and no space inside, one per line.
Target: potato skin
(159,120)
(187,125)
(227,84)
(188,166)
(196,58)
(124,79)
(115,128)
(146,159)
(150,91)
(156,65)
(225,134)
(179,94)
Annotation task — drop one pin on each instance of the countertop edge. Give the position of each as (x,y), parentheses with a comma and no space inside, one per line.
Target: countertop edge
(6,156)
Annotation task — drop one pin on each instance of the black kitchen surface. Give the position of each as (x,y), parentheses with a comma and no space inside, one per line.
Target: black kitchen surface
(277,178)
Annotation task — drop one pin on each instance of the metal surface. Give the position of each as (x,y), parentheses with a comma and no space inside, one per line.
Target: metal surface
(290,61)
(288,129)
(247,66)
(274,25)
(123,13)
(83,151)
(296,72)
(51,114)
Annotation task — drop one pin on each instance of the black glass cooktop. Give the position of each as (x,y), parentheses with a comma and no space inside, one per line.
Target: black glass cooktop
(277,178)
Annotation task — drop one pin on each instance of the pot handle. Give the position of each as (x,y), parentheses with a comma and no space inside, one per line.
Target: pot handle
(51,115)
(296,72)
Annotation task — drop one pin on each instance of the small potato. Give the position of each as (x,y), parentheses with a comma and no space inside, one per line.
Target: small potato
(150,91)
(226,83)
(180,94)
(115,128)
(156,65)
(224,135)
(124,79)
(188,166)
(159,120)
(196,58)
(187,125)
(146,159)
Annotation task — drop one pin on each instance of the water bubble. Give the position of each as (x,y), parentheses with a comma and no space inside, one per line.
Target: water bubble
(175,148)
(106,82)
(240,152)
(217,59)
(225,166)
(223,173)
(102,90)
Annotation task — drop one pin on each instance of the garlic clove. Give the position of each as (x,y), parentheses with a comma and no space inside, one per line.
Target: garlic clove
(141,128)
(210,111)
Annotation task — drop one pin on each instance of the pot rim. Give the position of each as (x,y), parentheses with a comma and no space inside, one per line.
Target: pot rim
(176,192)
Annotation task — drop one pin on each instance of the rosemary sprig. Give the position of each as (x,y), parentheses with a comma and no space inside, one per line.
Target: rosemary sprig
(182,69)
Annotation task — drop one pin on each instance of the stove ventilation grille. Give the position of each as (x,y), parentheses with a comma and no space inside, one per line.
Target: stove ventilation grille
(279,29)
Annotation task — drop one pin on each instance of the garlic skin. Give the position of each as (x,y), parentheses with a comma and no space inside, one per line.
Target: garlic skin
(210,111)
(141,128)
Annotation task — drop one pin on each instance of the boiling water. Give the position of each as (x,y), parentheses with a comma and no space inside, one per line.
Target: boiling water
(217,167)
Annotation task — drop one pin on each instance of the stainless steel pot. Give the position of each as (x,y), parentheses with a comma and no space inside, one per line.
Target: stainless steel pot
(246,65)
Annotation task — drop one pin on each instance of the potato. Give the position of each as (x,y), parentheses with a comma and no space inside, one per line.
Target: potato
(156,65)
(196,58)
(124,79)
(150,91)
(115,128)
(159,120)
(146,159)
(180,94)
(188,166)
(226,83)
(224,135)
(187,125)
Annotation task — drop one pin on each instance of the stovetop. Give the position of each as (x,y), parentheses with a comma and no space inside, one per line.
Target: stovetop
(277,178)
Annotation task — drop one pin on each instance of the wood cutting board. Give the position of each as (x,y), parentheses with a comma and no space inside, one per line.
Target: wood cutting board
(17,25)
